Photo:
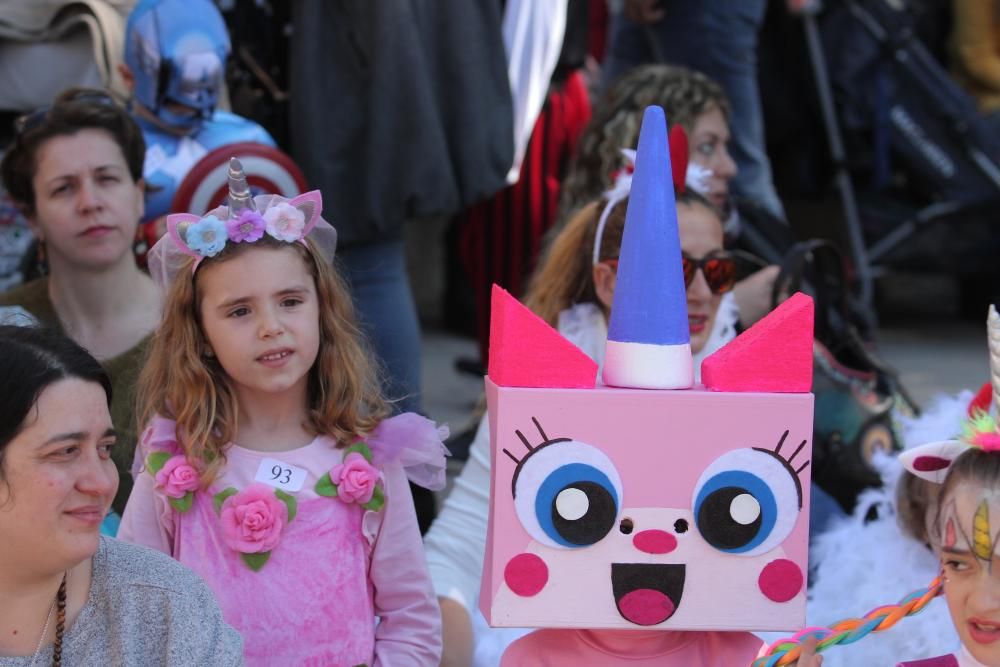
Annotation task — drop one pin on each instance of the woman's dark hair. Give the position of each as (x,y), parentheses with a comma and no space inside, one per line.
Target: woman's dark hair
(31,359)
(73,110)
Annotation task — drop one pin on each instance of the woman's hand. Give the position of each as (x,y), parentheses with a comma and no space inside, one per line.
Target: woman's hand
(456,634)
(808,657)
(753,294)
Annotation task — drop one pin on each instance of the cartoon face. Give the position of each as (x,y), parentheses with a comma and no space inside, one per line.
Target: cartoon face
(623,508)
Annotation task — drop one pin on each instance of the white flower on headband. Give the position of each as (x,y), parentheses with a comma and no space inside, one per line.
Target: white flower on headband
(697,178)
(284,222)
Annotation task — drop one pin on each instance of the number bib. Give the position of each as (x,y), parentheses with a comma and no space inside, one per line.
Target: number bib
(281,475)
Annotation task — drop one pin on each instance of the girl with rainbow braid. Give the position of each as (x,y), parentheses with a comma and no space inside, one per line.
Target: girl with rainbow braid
(965,531)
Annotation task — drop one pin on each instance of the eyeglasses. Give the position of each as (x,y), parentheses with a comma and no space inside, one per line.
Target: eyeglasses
(721,268)
(33,119)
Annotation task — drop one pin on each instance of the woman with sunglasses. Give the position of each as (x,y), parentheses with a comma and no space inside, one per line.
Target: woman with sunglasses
(572,290)
(75,170)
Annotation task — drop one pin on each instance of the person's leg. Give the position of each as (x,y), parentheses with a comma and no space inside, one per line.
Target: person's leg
(387,314)
(731,28)
(628,47)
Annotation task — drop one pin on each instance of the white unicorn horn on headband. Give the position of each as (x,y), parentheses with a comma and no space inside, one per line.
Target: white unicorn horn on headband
(993,339)
(240,198)
(931,461)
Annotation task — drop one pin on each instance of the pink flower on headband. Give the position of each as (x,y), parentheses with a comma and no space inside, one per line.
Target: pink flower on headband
(248,227)
(285,222)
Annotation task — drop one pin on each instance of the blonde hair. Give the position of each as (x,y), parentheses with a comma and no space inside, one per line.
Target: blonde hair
(178,381)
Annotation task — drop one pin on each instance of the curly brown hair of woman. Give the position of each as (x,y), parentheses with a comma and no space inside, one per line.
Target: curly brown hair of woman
(684,95)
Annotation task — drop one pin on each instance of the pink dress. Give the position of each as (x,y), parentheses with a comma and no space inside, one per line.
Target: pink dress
(301,573)
(631,648)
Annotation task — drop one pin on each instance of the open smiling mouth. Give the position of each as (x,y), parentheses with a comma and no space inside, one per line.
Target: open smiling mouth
(647,594)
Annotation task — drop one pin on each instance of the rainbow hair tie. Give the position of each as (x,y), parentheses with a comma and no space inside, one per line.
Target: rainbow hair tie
(787,651)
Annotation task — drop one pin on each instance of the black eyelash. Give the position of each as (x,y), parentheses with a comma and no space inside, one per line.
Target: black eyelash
(546,441)
(787,463)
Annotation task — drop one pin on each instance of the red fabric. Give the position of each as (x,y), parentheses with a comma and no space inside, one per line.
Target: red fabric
(499,239)
(597,42)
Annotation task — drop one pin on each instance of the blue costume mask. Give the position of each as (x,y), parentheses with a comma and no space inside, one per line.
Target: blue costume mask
(177,51)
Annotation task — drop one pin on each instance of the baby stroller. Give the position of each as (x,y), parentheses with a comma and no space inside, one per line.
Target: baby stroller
(929,155)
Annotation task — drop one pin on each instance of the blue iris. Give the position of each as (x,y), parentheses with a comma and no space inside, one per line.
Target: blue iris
(602,505)
(715,521)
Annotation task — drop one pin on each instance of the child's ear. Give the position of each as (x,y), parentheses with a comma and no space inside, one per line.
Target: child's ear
(605,279)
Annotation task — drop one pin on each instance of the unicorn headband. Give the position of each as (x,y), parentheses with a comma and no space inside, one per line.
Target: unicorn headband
(932,461)
(246,219)
(695,177)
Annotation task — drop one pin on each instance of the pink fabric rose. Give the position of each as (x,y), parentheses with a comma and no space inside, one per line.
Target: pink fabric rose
(252,519)
(355,479)
(177,477)
(285,222)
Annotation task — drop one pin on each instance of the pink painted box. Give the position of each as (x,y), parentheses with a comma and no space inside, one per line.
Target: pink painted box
(629,508)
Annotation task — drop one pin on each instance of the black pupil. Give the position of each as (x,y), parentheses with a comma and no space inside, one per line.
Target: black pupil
(595,523)
(717,525)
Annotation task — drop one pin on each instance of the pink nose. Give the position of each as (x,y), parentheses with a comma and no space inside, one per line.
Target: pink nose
(654,541)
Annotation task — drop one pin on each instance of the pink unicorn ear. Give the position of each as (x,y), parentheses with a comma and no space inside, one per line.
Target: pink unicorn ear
(931,461)
(311,205)
(177,225)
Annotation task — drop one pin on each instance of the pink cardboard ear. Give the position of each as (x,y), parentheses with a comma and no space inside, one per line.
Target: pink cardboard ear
(176,224)
(774,355)
(526,352)
(311,205)
(931,461)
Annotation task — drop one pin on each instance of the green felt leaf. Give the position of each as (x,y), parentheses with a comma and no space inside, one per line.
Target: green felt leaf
(361,664)
(360,447)
(289,501)
(257,560)
(221,496)
(155,461)
(182,504)
(326,487)
(377,501)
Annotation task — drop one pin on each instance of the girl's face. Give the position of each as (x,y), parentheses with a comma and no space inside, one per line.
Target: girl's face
(260,316)
(709,140)
(701,234)
(58,479)
(87,207)
(969,528)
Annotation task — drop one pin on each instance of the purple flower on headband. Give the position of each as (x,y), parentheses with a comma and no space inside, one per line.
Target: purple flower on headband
(207,237)
(249,227)
(285,222)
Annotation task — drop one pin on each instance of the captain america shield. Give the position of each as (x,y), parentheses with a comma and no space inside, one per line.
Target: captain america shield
(268,171)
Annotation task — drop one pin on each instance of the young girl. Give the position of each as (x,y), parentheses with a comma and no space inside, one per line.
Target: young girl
(572,290)
(268,466)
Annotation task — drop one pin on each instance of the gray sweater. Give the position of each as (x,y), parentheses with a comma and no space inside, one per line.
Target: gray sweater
(144,609)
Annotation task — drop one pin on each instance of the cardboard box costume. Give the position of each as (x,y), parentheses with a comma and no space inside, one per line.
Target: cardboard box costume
(648,504)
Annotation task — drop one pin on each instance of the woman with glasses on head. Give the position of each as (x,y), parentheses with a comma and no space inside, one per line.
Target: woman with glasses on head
(572,290)
(75,170)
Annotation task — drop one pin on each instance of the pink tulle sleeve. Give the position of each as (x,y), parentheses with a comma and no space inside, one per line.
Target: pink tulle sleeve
(414,442)
(148,519)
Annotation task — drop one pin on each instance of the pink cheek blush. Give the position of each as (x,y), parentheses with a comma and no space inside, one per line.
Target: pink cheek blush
(526,574)
(780,580)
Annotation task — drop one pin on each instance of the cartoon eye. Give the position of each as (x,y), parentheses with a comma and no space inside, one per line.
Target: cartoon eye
(747,501)
(567,494)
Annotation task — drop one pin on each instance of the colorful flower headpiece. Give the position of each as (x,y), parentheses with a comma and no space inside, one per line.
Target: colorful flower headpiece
(201,237)
(932,461)
(246,219)
(686,175)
